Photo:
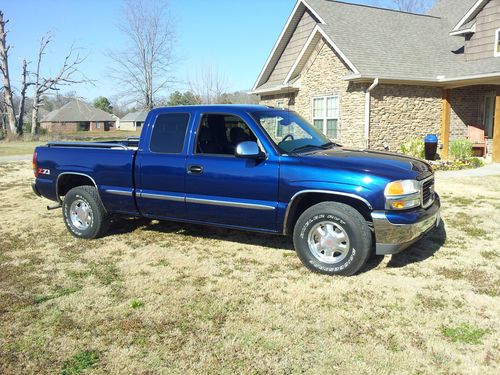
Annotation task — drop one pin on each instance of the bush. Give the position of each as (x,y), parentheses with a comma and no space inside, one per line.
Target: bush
(413,147)
(461,149)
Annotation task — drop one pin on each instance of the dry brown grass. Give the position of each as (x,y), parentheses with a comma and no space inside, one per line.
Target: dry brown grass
(167,298)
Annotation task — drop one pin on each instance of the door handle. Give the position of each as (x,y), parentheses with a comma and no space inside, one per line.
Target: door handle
(195,169)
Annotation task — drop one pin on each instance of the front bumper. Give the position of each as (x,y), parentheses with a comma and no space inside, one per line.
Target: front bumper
(395,231)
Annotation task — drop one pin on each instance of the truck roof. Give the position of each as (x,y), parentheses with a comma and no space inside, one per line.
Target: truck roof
(243,107)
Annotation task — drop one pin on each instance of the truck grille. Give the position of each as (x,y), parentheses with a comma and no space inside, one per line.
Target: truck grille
(427,192)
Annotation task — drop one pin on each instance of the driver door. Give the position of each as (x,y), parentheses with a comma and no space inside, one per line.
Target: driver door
(224,189)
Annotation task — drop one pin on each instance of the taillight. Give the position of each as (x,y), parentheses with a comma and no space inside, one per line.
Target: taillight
(35,169)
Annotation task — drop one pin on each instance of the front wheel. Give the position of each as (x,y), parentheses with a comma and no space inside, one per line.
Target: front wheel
(332,238)
(84,214)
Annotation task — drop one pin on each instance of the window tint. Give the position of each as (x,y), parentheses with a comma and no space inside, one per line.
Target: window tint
(220,134)
(169,132)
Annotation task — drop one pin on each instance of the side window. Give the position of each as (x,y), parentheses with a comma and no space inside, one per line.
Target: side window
(169,133)
(497,43)
(220,134)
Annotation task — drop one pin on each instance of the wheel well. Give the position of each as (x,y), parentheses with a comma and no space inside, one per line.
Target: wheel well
(304,201)
(68,181)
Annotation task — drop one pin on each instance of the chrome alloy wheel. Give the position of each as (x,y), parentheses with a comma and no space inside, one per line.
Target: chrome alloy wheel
(80,214)
(328,242)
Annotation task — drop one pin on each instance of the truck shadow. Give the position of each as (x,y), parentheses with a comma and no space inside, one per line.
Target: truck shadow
(418,252)
(421,250)
(128,225)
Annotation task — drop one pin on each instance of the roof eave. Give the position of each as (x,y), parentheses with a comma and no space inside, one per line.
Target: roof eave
(469,15)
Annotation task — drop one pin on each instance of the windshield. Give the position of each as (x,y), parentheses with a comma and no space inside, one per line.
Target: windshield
(290,132)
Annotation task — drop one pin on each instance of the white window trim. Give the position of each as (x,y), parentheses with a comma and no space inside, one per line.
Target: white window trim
(325,97)
(496,53)
(278,102)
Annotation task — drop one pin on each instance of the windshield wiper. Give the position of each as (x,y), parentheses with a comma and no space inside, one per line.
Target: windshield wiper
(305,147)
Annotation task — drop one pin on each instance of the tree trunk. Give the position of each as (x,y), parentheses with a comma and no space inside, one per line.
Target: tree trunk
(34,116)
(4,68)
(22,101)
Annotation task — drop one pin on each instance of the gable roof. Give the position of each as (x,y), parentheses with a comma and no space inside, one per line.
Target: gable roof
(386,44)
(139,116)
(77,111)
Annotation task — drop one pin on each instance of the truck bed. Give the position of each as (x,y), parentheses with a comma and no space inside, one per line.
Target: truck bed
(109,165)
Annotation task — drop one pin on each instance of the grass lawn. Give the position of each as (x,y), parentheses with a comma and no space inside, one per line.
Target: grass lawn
(26,147)
(159,297)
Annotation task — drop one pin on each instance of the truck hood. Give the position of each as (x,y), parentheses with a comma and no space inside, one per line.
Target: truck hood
(377,162)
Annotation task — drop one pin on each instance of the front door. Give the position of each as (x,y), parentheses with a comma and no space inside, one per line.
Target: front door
(489,115)
(224,189)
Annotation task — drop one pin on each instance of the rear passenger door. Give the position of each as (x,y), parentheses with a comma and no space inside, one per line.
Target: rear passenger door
(224,189)
(161,166)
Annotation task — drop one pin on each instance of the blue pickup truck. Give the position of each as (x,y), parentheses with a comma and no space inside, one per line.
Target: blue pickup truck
(246,167)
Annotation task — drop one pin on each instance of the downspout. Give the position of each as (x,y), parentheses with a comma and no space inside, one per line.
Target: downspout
(367,111)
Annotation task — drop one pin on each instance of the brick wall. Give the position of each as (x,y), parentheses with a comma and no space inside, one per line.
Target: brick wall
(466,109)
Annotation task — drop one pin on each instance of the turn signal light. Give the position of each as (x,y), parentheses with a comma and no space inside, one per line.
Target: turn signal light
(35,170)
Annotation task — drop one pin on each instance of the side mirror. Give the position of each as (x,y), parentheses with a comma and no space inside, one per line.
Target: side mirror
(248,150)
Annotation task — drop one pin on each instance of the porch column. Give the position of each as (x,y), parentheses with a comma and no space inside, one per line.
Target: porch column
(496,129)
(445,122)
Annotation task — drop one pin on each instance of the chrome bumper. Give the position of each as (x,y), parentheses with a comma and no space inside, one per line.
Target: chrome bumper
(394,238)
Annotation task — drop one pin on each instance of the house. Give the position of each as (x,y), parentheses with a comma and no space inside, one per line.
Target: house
(375,77)
(133,120)
(77,116)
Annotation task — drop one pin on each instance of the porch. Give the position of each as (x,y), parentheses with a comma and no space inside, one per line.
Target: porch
(472,112)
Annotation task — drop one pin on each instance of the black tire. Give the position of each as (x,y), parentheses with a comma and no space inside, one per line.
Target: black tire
(88,197)
(347,223)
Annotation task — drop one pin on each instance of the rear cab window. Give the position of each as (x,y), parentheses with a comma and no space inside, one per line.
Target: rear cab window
(169,133)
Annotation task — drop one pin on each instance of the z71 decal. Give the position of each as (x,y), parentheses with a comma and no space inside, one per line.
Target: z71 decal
(43,171)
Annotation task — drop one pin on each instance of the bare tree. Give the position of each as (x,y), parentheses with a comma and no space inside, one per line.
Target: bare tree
(8,99)
(412,6)
(68,74)
(22,99)
(209,84)
(144,68)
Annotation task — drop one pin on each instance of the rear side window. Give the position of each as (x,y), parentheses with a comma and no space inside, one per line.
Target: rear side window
(169,133)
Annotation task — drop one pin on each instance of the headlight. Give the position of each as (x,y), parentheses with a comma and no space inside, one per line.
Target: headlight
(402,195)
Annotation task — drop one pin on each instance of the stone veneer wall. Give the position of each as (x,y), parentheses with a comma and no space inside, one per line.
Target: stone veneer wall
(400,113)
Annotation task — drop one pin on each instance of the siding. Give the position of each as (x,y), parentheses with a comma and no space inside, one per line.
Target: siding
(482,42)
(292,50)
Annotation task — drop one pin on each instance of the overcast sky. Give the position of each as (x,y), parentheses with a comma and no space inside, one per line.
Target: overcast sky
(234,35)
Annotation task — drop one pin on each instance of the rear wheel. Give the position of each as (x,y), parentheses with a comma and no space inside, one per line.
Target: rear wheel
(332,238)
(84,213)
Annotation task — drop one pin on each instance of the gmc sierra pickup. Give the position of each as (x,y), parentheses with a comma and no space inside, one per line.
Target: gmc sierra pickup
(245,167)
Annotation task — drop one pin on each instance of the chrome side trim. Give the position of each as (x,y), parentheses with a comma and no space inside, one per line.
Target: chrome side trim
(163,197)
(119,192)
(332,192)
(215,202)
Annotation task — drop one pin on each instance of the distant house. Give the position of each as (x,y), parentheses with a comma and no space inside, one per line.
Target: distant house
(133,120)
(375,77)
(77,116)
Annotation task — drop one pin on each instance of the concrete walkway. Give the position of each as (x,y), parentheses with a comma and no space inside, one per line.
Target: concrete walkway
(488,170)
(10,158)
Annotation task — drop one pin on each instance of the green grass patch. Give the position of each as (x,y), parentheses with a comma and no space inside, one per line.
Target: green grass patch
(79,362)
(464,333)
(135,304)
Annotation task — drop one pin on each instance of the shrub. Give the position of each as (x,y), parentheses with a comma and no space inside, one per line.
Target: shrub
(476,162)
(461,149)
(414,147)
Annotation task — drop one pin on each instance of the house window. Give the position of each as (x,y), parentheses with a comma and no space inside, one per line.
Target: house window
(497,43)
(97,125)
(279,128)
(325,115)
